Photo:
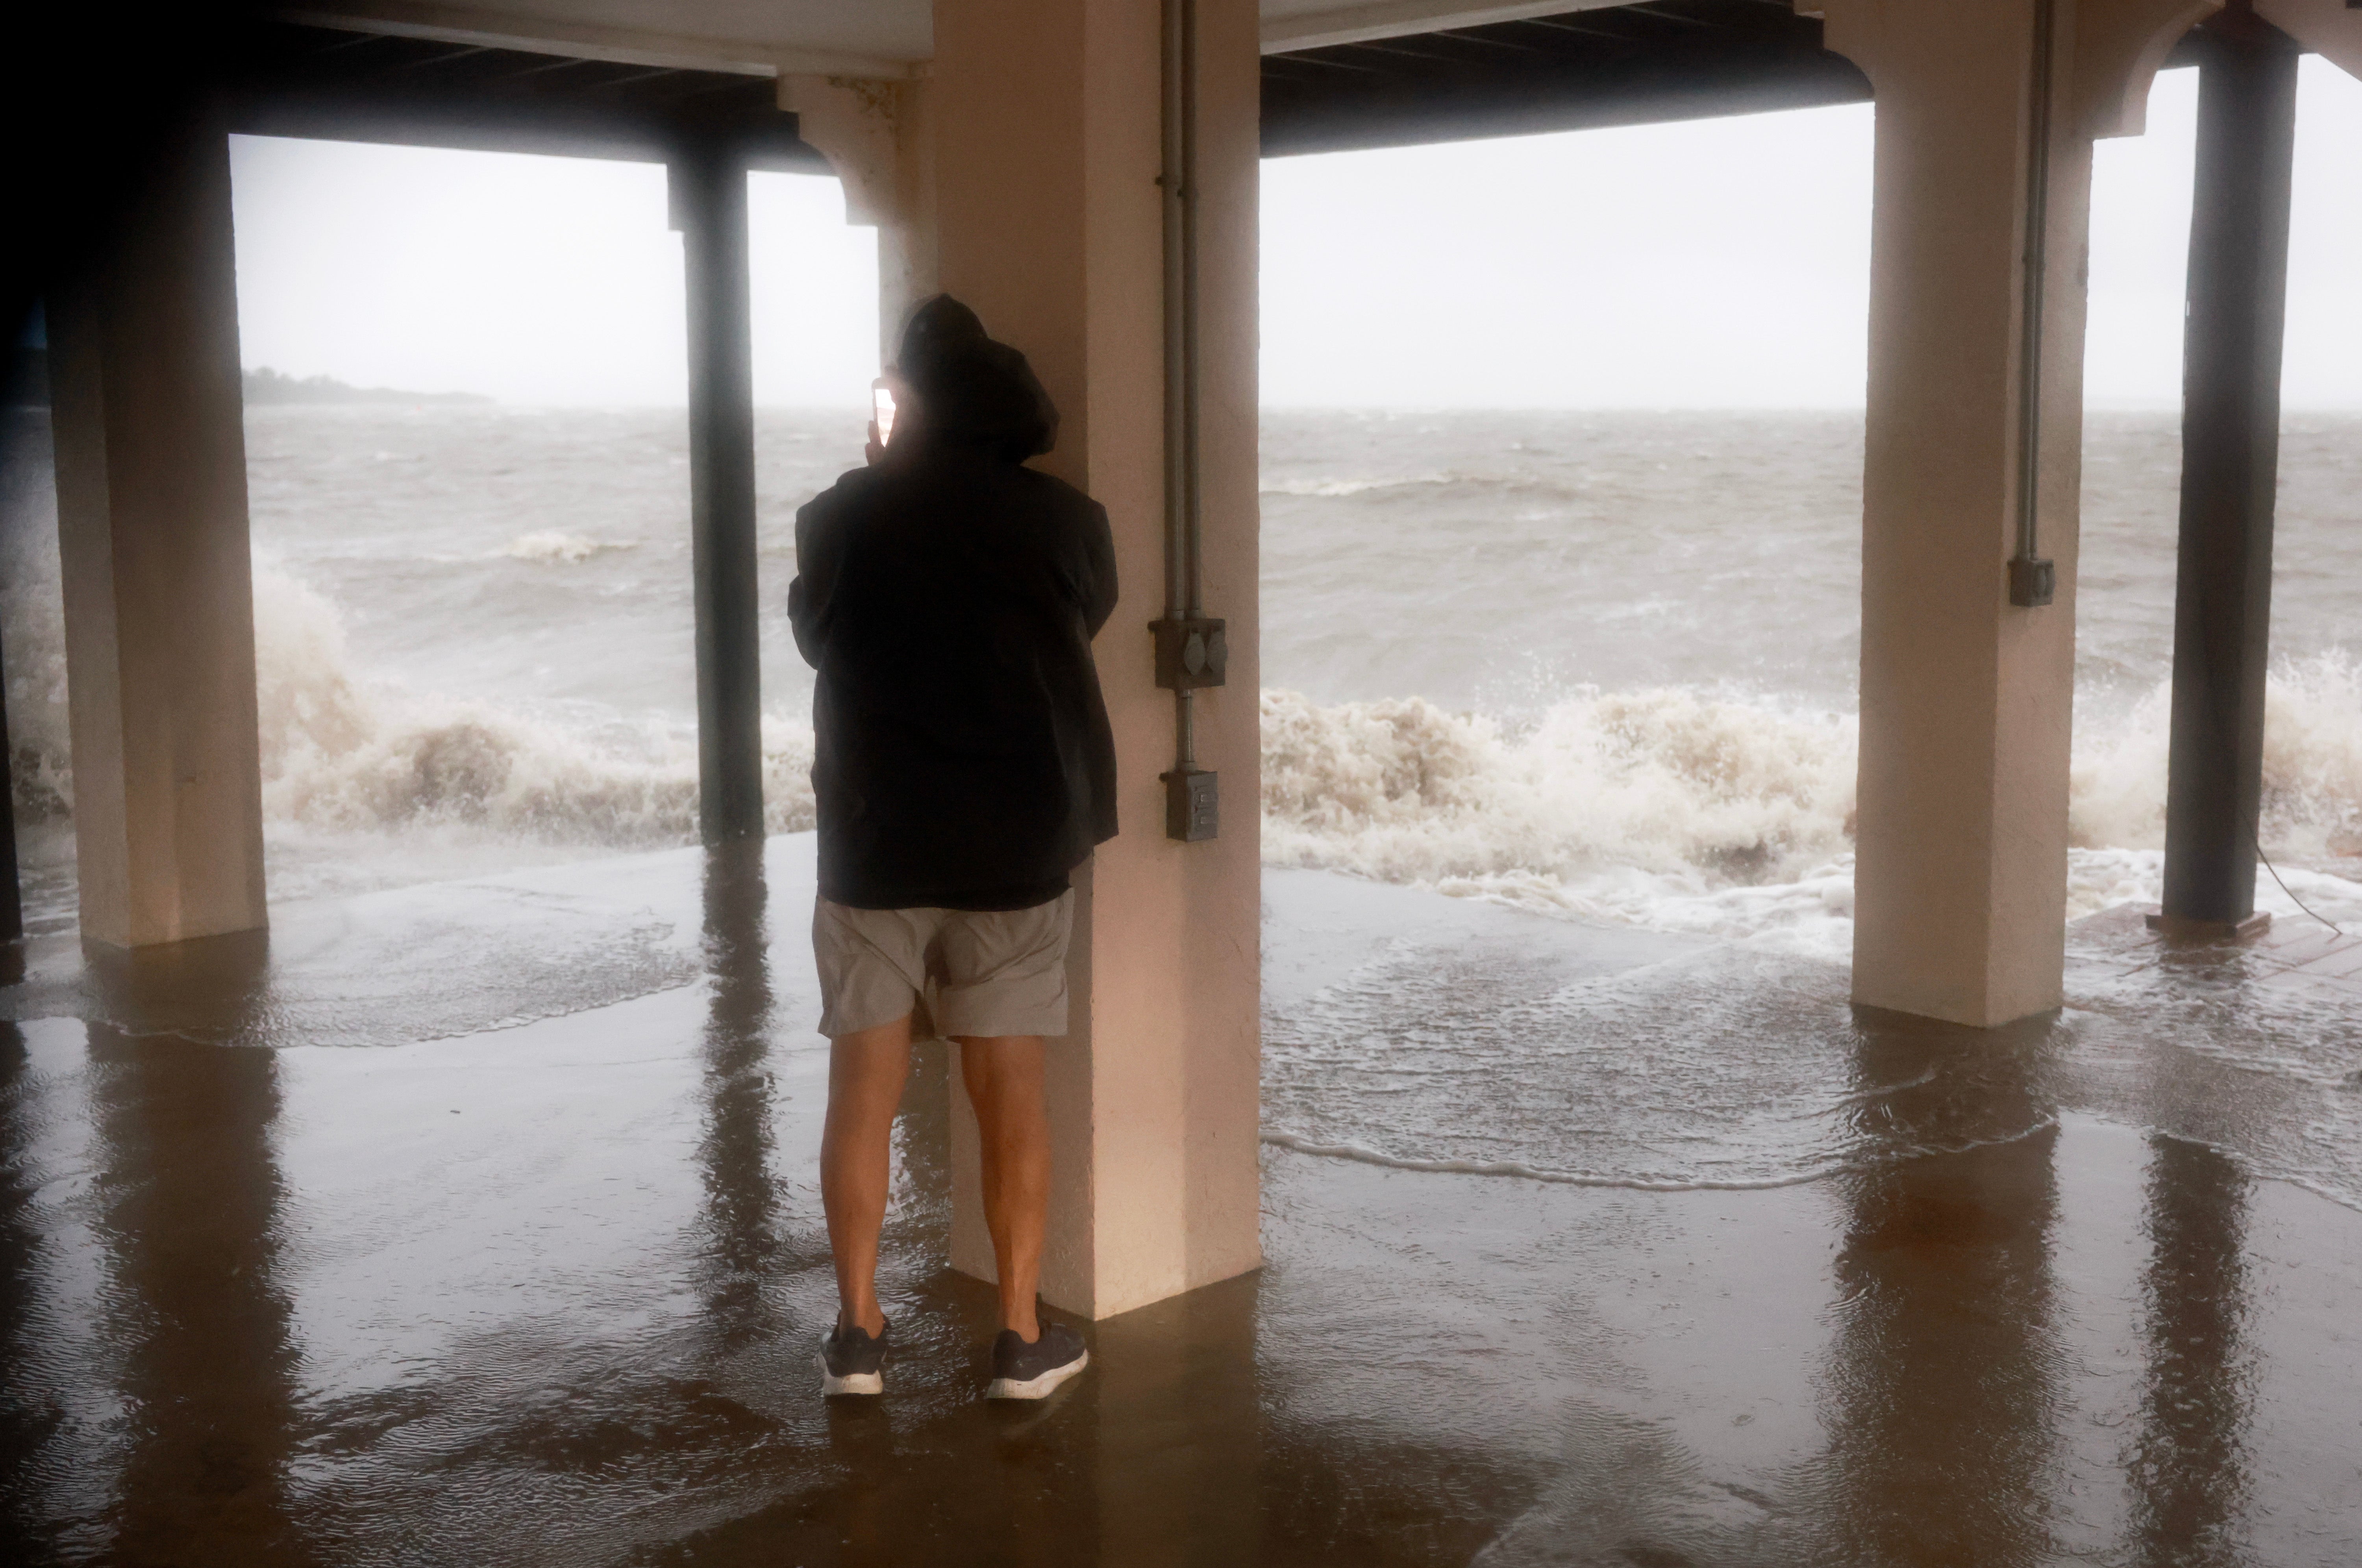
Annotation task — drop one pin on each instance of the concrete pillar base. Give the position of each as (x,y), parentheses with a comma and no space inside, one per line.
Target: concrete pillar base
(2174,928)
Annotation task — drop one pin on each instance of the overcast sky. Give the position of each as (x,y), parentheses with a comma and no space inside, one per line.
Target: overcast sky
(1719,263)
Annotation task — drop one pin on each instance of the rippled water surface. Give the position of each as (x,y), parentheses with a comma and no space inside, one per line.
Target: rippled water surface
(1593,664)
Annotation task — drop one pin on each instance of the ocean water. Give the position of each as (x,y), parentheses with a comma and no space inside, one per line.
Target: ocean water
(1558,748)
(1593,664)
(1605,663)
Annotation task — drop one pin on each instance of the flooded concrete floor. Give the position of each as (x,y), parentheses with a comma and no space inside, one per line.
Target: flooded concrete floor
(479,1225)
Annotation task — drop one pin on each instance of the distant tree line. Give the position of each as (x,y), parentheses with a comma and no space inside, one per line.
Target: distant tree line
(264,384)
(25,383)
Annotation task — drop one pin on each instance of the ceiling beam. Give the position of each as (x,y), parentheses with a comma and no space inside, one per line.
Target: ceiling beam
(583,41)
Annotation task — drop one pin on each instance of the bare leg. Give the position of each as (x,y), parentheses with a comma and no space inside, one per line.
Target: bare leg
(866,1073)
(1004,1082)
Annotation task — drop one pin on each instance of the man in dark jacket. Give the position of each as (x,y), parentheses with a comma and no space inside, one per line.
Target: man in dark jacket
(947,596)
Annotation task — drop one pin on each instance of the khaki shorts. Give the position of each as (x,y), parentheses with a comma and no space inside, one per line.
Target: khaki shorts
(981,973)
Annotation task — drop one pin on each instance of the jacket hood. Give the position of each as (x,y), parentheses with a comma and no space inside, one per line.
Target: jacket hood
(977,391)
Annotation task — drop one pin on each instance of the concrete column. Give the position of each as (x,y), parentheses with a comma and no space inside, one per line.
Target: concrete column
(878,135)
(1049,222)
(1967,699)
(159,583)
(2330,29)
(2230,475)
(707,183)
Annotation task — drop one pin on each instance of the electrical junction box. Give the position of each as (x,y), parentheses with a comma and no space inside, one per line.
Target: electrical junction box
(1191,652)
(1192,804)
(2033,582)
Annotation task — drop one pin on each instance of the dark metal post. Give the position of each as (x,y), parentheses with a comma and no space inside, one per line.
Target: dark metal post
(708,187)
(12,905)
(2230,462)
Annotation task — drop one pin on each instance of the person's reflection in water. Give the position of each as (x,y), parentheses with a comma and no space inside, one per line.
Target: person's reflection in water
(189,1218)
(2188,1469)
(739,1244)
(1943,1370)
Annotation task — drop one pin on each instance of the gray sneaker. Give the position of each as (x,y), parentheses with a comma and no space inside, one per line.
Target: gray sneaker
(851,1362)
(1020,1371)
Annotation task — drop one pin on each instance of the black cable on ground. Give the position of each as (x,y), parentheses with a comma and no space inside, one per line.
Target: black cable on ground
(2266,860)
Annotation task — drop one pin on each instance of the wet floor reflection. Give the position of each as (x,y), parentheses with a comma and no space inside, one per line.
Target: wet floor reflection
(189,1198)
(2189,1468)
(1942,1375)
(740,1246)
(1153,1458)
(27,1420)
(548,1295)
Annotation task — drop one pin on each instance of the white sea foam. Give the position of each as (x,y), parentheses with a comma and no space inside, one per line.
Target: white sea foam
(1666,808)
(2313,765)
(340,753)
(1521,1170)
(1661,797)
(1659,808)
(1722,817)
(1360,1155)
(554,547)
(1338,488)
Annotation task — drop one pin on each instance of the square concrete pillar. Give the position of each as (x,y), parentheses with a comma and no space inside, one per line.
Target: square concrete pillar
(1048,221)
(2330,29)
(879,138)
(159,583)
(1967,699)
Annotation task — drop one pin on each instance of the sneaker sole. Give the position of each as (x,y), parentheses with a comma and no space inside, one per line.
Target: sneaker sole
(1037,1387)
(830,1385)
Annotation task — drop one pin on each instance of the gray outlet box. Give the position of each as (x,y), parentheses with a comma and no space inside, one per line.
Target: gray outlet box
(1190,654)
(1192,804)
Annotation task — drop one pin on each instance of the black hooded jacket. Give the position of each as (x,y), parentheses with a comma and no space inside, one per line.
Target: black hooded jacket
(947,597)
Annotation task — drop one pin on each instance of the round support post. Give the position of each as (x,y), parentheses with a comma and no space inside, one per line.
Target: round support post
(708,188)
(2230,463)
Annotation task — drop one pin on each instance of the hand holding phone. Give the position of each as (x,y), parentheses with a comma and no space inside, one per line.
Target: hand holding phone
(881,417)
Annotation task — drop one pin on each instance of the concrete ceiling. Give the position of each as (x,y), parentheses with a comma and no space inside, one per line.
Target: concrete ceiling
(851,37)
(597,90)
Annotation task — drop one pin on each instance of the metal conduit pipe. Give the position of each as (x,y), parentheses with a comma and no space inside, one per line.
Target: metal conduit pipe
(2033,582)
(1190,650)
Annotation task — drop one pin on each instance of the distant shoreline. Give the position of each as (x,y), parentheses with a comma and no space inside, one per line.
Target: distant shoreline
(265,385)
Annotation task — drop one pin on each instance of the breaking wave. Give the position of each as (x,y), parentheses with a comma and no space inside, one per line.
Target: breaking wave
(1666,808)
(1721,816)
(552,546)
(338,753)
(1336,488)
(2313,765)
(343,754)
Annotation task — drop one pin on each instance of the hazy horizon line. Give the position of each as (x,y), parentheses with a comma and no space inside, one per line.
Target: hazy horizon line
(395,396)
